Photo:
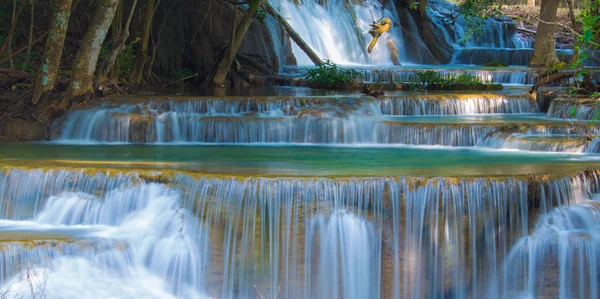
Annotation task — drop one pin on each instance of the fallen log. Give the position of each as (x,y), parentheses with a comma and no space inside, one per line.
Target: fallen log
(549,79)
(526,30)
(377,30)
(293,34)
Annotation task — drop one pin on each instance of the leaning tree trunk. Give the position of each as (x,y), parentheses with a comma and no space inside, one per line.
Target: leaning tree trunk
(89,51)
(234,45)
(141,56)
(293,34)
(544,54)
(118,46)
(47,74)
(423,7)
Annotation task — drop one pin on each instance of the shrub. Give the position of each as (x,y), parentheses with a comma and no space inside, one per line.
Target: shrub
(330,75)
(433,80)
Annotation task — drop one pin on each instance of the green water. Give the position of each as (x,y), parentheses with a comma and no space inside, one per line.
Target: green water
(298,160)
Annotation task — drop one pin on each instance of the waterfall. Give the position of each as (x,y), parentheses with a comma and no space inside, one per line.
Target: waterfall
(531,142)
(560,258)
(338,30)
(573,108)
(122,235)
(276,120)
(497,76)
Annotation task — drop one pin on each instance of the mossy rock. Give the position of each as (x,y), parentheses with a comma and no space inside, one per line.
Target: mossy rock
(495,64)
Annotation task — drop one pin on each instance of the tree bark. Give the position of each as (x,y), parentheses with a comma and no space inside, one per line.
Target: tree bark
(235,43)
(423,7)
(293,34)
(117,48)
(530,2)
(544,54)
(549,79)
(46,77)
(576,28)
(89,51)
(141,56)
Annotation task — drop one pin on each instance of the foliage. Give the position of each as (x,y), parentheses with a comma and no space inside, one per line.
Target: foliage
(475,13)
(184,73)
(20,59)
(588,40)
(261,15)
(429,79)
(125,58)
(330,75)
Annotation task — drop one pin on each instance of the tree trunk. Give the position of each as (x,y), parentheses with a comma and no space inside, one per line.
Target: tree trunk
(11,63)
(89,51)
(141,55)
(423,7)
(235,43)
(530,2)
(118,46)
(293,34)
(576,27)
(544,54)
(31,23)
(46,77)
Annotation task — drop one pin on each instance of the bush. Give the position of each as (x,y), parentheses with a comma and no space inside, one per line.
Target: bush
(433,80)
(329,75)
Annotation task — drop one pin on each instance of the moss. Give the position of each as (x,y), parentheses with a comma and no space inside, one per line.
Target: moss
(495,64)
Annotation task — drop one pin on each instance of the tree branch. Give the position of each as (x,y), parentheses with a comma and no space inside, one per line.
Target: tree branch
(12,28)
(39,39)
(559,25)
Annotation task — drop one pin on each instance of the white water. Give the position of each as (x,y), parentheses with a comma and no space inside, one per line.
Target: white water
(282,237)
(158,256)
(338,31)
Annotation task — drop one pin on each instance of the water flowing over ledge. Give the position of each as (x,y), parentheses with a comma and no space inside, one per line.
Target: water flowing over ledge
(292,120)
(574,108)
(377,74)
(412,237)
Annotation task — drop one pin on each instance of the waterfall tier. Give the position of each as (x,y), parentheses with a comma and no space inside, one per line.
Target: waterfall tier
(198,236)
(334,120)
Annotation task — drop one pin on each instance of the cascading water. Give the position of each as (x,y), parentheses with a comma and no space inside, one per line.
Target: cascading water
(338,30)
(293,120)
(100,235)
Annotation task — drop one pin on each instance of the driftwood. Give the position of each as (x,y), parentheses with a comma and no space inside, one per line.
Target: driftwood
(293,34)
(393,52)
(377,30)
(526,30)
(367,89)
(181,80)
